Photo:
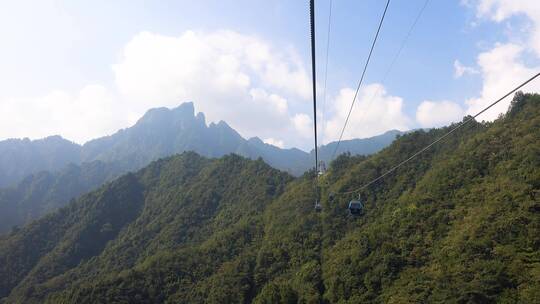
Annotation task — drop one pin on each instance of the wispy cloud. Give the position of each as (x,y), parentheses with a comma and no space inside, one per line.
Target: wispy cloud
(375,111)
(229,76)
(503,66)
(460,69)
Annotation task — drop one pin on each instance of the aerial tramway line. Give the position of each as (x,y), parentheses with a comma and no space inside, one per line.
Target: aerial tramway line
(356,206)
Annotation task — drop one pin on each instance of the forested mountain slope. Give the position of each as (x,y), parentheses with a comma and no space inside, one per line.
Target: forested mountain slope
(357,146)
(22,157)
(42,192)
(459,224)
(56,170)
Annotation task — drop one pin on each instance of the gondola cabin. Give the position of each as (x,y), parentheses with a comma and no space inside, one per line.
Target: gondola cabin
(318,206)
(356,207)
(331,196)
(322,168)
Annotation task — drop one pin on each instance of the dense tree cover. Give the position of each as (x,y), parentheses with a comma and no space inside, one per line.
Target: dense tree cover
(22,157)
(172,204)
(44,191)
(459,224)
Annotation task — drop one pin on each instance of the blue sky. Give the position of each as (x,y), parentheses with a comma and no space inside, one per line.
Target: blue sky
(66,68)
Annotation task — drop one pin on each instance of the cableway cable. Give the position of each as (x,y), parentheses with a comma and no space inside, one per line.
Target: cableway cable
(326,71)
(391,66)
(459,125)
(362,77)
(312,28)
(404,41)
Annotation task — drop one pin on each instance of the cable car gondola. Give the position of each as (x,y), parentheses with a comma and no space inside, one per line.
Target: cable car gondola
(331,196)
(322,168)
(318,206)
(356,207)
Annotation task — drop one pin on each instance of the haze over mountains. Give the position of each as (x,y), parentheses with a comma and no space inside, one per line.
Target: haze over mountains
(459,224)
(162,132)
(21,157)
(42,175)
(45,191)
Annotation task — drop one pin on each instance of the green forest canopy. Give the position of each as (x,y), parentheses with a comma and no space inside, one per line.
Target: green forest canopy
(459,224)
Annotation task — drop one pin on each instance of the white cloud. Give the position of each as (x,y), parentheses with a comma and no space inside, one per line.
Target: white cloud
(90,113)
(501,70)
(500,10)
(275,142)
(438,113)
(374,112)
(460,69)
(243,80)
(237,78)
(303,124)
(503,66)
(276,102)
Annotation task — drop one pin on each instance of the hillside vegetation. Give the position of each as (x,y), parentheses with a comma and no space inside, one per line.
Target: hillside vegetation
(459,224)
(37,177)
(22,157)
(42,192)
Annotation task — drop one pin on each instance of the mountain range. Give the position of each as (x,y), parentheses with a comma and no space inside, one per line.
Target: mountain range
(458,224)
(41,175)
(163,132)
